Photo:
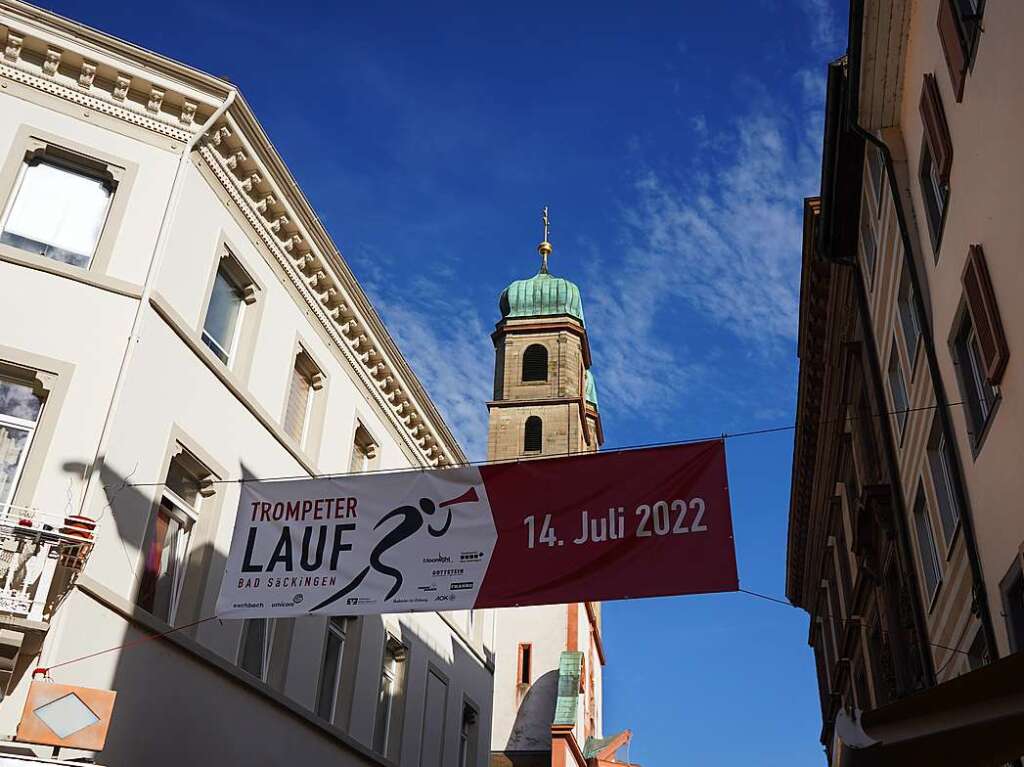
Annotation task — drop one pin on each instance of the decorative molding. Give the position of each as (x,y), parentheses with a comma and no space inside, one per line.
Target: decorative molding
(82,88)
(52,62)
(12,51)
(87,75)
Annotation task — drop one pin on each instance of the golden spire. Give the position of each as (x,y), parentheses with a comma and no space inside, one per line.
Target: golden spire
(545,247)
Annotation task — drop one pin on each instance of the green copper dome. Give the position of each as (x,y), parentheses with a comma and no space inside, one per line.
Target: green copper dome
(541,295)
(591,390)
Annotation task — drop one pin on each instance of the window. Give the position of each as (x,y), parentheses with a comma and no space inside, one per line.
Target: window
(525,659)
(254,652)
(926,545)
(364,451)
(979,396)
(876,173)
(232,289)
(306,380)
(909,319)
(935,194)
(940,460)
(166,546)
(959,27)
(468,736)
(535,363)
(898,388)
(330,669)
(384,731)
(870,245)
(59,207)
(936,159)
(20,408)
(533,438)
(1012,588)
(434,719)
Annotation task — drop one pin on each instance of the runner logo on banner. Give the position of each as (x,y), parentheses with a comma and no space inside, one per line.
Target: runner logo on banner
(601,526)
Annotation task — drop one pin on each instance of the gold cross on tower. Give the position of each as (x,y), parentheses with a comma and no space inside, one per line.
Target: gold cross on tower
(545,247)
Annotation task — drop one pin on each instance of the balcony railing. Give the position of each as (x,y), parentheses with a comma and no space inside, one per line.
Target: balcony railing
(36,549)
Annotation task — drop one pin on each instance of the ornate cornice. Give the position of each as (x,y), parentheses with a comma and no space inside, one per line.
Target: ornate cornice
(46,65)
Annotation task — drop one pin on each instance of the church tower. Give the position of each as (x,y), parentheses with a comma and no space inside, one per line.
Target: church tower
(548,659)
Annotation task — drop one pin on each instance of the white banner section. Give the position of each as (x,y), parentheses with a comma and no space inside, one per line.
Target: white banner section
(357,545)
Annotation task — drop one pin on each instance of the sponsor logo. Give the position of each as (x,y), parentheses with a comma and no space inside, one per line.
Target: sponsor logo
(461,585)
(297,599)
(357,601)
(440,559)
(431,587)
(447,573)
(471,556)
(444,598)
(411,600)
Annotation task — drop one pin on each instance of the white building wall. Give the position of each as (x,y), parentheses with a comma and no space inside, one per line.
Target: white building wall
(181,698)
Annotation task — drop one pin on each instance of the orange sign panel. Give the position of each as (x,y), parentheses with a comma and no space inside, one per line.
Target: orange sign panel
(66,715)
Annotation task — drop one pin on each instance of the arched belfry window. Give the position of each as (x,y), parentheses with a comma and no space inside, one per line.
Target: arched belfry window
(535,363)
(533,438)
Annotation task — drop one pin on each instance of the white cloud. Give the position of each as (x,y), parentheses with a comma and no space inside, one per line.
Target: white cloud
(721,245)
(826,35)
(447,344)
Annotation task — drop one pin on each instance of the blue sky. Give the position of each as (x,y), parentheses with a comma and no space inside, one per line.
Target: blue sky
(674,143)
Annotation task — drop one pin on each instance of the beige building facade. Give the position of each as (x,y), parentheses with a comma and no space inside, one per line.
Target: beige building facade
(175,320)
(920,194)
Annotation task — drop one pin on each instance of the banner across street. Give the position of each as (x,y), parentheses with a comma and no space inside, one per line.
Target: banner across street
(601,526)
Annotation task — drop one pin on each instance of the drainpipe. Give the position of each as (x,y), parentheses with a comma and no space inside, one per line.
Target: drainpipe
(159,250)
(979,591)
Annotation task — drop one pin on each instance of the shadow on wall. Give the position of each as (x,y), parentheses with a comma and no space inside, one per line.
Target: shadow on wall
(173,708)
(532,728)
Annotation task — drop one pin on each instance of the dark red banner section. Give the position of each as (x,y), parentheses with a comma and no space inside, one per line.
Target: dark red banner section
(638,523)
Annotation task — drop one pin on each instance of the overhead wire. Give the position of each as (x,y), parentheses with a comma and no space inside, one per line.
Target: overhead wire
(490,462)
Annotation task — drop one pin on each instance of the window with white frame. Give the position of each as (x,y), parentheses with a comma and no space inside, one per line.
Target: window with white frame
(330,669)
(435,717)
(59,207)
(20,408)
(940,461)
(232,290)
(898,389)
(926,545)
(978,394)
(166,545)
(387,694)
(909,319)
(254,649)
(306,380)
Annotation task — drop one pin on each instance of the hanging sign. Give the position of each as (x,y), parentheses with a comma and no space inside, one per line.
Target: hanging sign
(593,527)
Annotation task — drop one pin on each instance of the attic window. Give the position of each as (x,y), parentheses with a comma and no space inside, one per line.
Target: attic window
(535,363)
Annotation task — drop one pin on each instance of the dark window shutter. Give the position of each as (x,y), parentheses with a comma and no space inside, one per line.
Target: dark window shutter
(936,130)
(981,303)
(535,363)
(533,439)
(953,45)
